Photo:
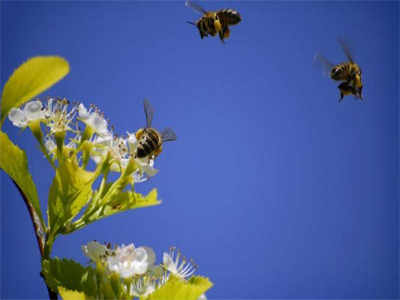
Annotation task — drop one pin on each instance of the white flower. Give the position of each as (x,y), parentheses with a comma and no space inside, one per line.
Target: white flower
(32,111)
(94,119)
(18,117)
(58,116)
(172,263)
(148,170)
(95,251)
(132,141)
(129,261)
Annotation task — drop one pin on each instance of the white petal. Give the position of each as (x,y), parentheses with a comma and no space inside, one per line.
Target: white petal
(151,256)
(33,110)
(17,117)
(141,254)
(99,124)
(132,137)
(94,250)
(139,267)
(83,112)
(105,140)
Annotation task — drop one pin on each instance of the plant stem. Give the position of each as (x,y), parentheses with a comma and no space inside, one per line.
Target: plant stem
(37,226)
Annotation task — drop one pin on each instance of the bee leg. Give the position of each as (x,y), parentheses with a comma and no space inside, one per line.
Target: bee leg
(341,97)
(221,36)
(201,34)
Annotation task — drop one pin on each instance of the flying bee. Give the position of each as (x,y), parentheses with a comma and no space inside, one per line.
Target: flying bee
(348,72)
(213,22)
(149,139)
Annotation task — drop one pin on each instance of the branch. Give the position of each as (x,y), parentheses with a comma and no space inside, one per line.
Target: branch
(39,233)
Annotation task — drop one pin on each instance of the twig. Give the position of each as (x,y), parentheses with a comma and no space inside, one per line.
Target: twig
(39,235)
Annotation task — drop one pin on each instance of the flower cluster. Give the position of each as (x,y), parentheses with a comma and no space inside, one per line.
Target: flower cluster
(136,266)
(96,140)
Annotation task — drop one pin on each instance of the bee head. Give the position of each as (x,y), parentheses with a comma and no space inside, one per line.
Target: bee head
(140,132)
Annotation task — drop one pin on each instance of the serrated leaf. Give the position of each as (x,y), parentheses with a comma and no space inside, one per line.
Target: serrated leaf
(70,275)
(70,191)
(64,274)
(112,199)
(128,200)
(14,162)
(30,79)
(119,202)
(176,289)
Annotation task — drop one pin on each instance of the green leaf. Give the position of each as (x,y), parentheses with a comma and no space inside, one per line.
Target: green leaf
(118,202)
(64,274)
(176,289)
(70,275)
(72,295)
(111,199)
(69,193)
(30,79)
(123,201)
(14,162)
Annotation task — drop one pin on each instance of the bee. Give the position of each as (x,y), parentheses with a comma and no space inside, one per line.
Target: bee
(149,139)
(213,22)
(349,73)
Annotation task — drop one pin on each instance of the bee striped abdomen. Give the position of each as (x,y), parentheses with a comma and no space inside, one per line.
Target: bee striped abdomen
(149,142)
(229,16)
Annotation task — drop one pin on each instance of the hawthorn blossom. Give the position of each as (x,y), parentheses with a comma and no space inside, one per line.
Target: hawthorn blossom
(178,265)
(32,111)
(94,119)
(58,117)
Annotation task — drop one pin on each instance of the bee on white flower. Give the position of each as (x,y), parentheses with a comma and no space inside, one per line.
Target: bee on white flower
(59,116)
(178,265)
(121,151)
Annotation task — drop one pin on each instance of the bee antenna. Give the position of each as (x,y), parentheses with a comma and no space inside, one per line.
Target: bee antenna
(191,23)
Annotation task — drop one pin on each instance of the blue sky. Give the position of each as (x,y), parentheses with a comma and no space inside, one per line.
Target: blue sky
(274,188)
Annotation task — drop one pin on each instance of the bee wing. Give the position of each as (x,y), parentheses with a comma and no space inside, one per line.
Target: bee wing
(149,112)
(324,63)
(168,135)
(195,6)
(346,49)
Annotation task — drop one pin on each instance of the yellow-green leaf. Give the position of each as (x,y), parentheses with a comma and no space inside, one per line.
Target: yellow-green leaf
(119,201)
(67,275)
(30,79)
(177,289)
(70,191)
(14,162)
(72,295)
